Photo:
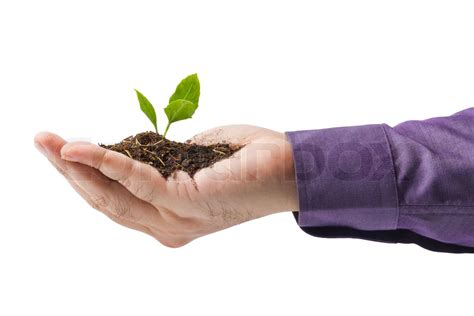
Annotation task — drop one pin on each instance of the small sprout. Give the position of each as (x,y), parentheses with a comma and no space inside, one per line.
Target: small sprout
(182,104)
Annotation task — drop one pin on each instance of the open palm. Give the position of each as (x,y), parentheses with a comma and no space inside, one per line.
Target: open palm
(257,180)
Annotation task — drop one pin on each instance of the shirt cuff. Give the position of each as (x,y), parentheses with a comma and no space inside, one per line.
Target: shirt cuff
(345,177)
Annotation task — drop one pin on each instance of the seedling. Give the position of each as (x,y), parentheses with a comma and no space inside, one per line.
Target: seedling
(181,105)
(168,156)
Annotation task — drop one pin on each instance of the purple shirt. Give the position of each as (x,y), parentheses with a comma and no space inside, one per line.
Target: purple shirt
(413,183)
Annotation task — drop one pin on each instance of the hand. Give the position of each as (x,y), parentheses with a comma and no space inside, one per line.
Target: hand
(256,181)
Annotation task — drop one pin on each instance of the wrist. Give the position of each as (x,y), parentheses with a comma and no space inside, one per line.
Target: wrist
(281,184)
(289,184)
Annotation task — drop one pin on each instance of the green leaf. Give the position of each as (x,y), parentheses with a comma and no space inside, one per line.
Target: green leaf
(179,110)
(147,108)
(188,89)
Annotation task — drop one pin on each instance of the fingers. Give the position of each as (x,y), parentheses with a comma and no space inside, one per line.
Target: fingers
(118,202)
(99,191)
(142,180)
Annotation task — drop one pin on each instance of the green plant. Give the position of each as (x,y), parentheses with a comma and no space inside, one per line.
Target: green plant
(181,105)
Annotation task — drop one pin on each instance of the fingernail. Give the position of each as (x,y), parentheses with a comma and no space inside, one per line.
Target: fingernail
(40,148)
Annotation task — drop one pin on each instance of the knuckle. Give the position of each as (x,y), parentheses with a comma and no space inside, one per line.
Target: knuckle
(100,158)
(126,169)
(189,191)
(140,189)
(185,190)
(148,195)
(121,210)
(99,202)
(126,182)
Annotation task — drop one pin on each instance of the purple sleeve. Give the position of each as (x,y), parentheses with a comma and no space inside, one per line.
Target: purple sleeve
(417,177)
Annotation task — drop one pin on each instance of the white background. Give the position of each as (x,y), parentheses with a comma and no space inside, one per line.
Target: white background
(70,67)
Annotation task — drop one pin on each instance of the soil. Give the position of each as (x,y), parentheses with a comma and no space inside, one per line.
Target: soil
(168,156)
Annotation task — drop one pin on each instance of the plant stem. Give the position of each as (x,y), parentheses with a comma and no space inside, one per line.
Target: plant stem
(166,130)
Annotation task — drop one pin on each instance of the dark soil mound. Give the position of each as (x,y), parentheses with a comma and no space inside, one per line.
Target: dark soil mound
(168,156)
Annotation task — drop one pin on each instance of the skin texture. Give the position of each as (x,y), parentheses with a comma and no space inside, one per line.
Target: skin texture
(256,181)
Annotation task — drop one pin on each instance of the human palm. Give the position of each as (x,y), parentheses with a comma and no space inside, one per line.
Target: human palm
(257,180)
